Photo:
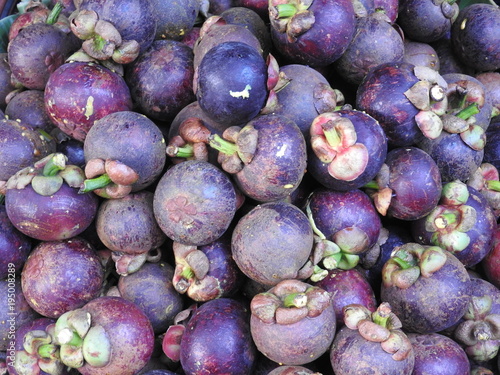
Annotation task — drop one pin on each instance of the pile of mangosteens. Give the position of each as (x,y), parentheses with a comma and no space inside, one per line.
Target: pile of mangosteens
(250,187)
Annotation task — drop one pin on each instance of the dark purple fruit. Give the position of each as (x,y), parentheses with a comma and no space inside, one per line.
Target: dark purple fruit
(79,93)
(231,83)
(174,19)
(217,340)
(59,276)
(28,107)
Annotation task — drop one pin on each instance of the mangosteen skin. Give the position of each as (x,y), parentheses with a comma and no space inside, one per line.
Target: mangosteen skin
(161,79)
(381,95)
(132,139)
(272,242)
(351,354)
(194,202)
(130,333)
(217,340)
(474,36)
(28,107)
(438,355)
(434,303)
(80,93)
(231,83)
(36,52)
(60,276)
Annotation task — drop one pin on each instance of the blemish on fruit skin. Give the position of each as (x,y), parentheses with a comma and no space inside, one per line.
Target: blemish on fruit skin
(462,25)
(244,94)
(89,107)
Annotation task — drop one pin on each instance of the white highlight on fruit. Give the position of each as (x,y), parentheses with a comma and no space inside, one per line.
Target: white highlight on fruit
(245,94)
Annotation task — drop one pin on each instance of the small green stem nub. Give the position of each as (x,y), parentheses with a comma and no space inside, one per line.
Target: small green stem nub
(492,185)
(380,320)
(443,220)
(54,165)
(185,152)
(402,263)
(286,10)
(95,183)
(48,351)
(469,111)
(76,340)
(295,300)
(187,273)
(332,137)
(220,144)
(371,185)
(54,13)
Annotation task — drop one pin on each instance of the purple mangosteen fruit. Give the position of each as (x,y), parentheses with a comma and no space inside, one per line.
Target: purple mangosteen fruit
(217,339)
(293,323)
(292,370)
(231,83)
(425,20)
(60,276)
(194,202)
(406,99)
(477,331)
(301,93)
(174,20)
(28,107)
(427,287)
(107,336)
(44,202)
(491,262)
(21,147)
(314,33)
(125,152)
(128,226)
(418,53)
(267,156)
(438,355)
(206,272)
(408,185)
(371,342)
(79,93)
(38,50)
(362,54)
(273,242)
(348,287)
(161,79)
(463,223)
(151,289)
(474,36)
(346,225)
(347,149)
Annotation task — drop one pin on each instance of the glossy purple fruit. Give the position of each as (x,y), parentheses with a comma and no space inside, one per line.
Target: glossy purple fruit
(462,223)
(272,242)
(217,340)
(194,202)
(348,148)
(118,340)
(427,287)
(475,38)
(231,83)
(161,79)
(152,290)
(28,106)
(61,275)
(348,287)
(312,33)
(79,93)
(438,354)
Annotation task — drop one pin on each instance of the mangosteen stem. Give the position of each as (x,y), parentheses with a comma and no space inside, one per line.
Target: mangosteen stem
(187,273)
(55,164)
(371,185)
(382,321)
(181,152)
(95,183)
(469,111)
(490,185)
(332,135)
(48,351)
(286,10)
(222,145)
(402,263)
(295,300)
(54,13)
(443,220)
